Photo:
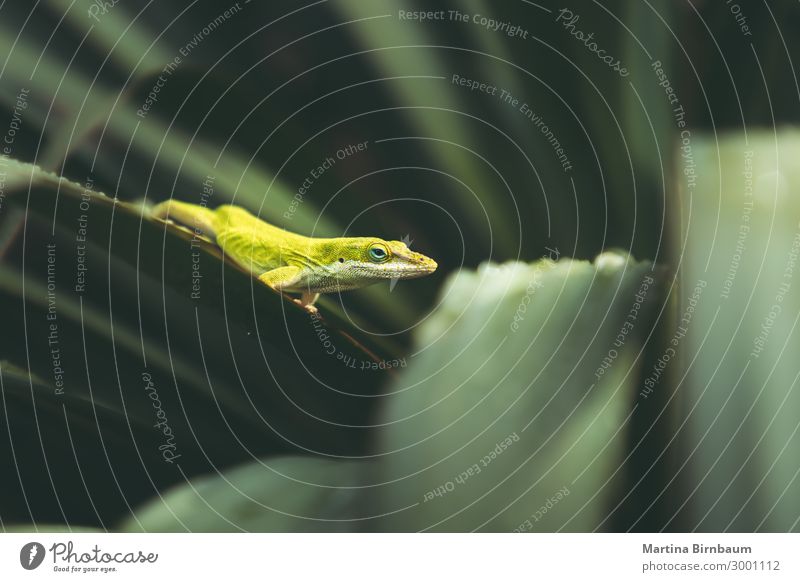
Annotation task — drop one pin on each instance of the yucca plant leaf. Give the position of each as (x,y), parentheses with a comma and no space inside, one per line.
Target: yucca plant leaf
(514,413)
(238,370)
(280,494)
(739,308)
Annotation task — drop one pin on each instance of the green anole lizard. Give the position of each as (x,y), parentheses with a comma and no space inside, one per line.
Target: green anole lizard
(291,262)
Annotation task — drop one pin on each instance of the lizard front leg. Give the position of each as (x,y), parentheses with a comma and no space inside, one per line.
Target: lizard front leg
(307,300)
(282,278)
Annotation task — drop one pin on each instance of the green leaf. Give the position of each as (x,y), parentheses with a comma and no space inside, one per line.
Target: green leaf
(239,371)
(432,105)
(507,419)
(287,494)
(67,455)
(61,202)
(739,307)
(49,528)
(501,412)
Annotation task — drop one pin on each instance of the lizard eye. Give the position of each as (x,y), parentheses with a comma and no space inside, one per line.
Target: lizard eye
(378,253)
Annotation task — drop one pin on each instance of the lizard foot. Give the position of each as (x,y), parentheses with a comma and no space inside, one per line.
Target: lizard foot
(310,308)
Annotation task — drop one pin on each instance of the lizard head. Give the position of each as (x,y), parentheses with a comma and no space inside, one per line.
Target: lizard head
(374,259)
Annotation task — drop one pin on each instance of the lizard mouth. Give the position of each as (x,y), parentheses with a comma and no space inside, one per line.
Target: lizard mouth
(402,269)
(428,266)
(411,271)
(411,264)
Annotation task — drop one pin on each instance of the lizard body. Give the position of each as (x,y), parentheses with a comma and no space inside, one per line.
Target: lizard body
(287,261)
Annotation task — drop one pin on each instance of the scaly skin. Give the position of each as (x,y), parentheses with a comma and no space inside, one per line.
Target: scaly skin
(291,262)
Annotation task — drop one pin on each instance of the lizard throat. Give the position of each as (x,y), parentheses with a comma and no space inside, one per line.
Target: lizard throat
(354,274)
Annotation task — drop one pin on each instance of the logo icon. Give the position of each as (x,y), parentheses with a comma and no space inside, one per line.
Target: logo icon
(31,555)
(393,281)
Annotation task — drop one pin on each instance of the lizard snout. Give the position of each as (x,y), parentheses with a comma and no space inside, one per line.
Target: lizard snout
(429,264)
(412,264)
(425,263)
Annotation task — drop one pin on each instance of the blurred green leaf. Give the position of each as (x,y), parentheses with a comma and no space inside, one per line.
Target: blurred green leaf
(498,432)
(118,35)
(288,494)
(506,421)
(49,528)
(58,451)
(239,371)
(740,306)
(60,199)
(178,152)
(432,105)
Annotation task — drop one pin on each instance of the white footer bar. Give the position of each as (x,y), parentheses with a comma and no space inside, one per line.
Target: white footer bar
(388,557)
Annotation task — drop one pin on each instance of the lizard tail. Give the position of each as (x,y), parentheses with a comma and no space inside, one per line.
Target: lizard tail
(190,215)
